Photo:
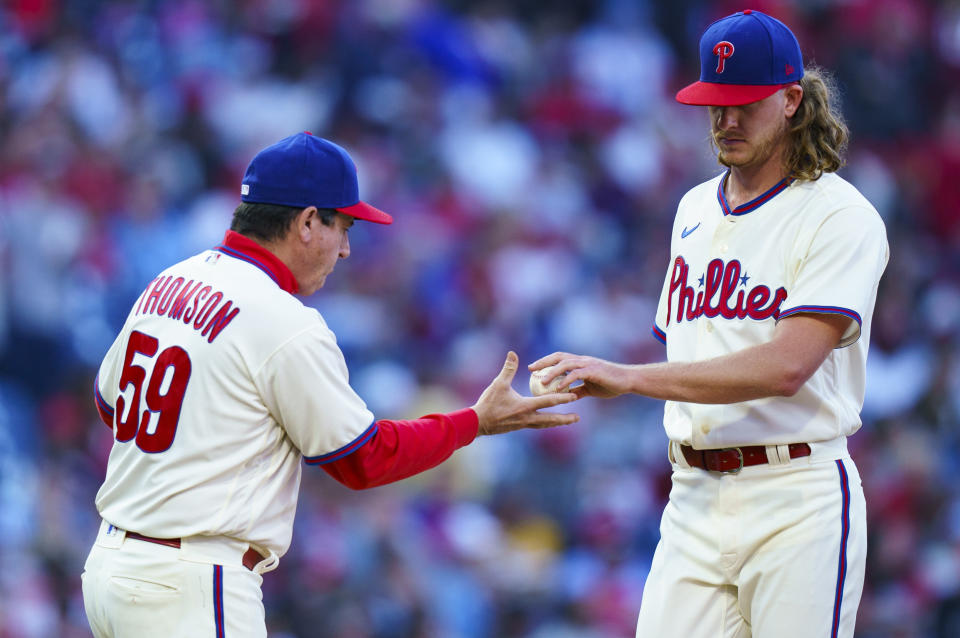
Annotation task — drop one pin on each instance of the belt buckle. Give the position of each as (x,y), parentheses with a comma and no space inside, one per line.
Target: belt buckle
(739,454)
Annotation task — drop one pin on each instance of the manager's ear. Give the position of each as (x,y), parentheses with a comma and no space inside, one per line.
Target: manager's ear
(792,96)
(305,223)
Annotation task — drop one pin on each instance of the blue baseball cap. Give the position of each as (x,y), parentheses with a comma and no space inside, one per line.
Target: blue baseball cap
(744,58)
(305,170)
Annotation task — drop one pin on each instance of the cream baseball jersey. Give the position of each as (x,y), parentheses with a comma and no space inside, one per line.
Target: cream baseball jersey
(801,247)
(219,384)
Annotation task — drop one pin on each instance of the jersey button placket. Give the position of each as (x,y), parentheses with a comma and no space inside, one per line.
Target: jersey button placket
(703,327)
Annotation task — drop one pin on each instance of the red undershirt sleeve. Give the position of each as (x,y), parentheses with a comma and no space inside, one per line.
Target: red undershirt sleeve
(400,449)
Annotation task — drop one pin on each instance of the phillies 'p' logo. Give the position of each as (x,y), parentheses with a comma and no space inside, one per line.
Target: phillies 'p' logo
(722,50)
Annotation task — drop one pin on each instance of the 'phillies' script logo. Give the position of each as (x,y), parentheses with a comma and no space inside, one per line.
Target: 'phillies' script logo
(722,50)
(719,294)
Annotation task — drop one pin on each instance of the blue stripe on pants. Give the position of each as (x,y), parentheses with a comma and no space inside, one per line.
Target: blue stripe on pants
(218,600)
(844,533)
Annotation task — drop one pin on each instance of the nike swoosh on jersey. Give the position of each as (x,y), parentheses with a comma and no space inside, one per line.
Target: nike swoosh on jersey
(685,232)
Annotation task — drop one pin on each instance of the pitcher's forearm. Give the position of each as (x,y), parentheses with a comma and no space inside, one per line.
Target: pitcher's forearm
(742,376)
(776,368)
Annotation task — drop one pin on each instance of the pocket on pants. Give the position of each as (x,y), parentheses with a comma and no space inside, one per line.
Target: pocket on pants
(143,608)
(130,585)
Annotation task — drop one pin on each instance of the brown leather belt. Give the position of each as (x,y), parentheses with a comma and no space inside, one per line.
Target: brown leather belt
(733,459)
(250,558)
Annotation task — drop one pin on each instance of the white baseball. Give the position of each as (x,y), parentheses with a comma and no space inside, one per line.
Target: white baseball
(537,386)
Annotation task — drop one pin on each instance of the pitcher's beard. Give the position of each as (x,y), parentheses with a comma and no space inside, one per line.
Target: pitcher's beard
(763,150)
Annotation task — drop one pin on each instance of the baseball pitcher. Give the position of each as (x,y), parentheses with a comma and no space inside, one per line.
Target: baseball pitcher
(765,312)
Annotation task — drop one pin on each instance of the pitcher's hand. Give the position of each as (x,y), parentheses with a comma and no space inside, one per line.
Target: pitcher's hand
(602,379)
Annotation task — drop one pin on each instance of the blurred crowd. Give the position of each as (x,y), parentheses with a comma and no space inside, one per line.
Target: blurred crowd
(533,156)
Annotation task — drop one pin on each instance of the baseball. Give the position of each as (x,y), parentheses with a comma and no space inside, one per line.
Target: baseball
(536,382)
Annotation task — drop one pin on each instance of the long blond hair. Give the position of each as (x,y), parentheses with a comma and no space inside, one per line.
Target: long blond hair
(817,132)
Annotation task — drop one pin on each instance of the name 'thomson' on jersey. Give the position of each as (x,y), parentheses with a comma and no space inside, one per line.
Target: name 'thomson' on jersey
(194,303)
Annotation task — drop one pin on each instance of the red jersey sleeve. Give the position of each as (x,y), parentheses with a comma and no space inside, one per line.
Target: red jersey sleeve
(400,449)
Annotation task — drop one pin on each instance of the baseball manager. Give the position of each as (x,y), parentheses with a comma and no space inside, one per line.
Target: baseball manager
(221,384)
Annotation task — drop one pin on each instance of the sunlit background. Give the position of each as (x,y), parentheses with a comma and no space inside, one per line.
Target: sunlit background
(533,156)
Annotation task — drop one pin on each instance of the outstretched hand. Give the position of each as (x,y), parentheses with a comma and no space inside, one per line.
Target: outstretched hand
(502,409)
(600,378)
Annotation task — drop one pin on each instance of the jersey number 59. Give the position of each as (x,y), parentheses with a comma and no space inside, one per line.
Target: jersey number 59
(166,406)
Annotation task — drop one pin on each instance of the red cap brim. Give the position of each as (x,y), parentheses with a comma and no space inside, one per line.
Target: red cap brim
(366,212)
(714,94)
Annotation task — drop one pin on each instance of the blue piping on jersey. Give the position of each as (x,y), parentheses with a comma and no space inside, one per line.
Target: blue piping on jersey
(827,310)
(358,442)
(106,407)
(659,334)
(831,310)
(754,203)
(232,252)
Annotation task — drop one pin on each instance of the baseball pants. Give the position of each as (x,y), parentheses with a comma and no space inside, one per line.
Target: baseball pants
(134,588)
(774,551)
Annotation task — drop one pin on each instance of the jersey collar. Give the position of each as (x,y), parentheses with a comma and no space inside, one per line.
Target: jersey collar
(241,247)
(753,204)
